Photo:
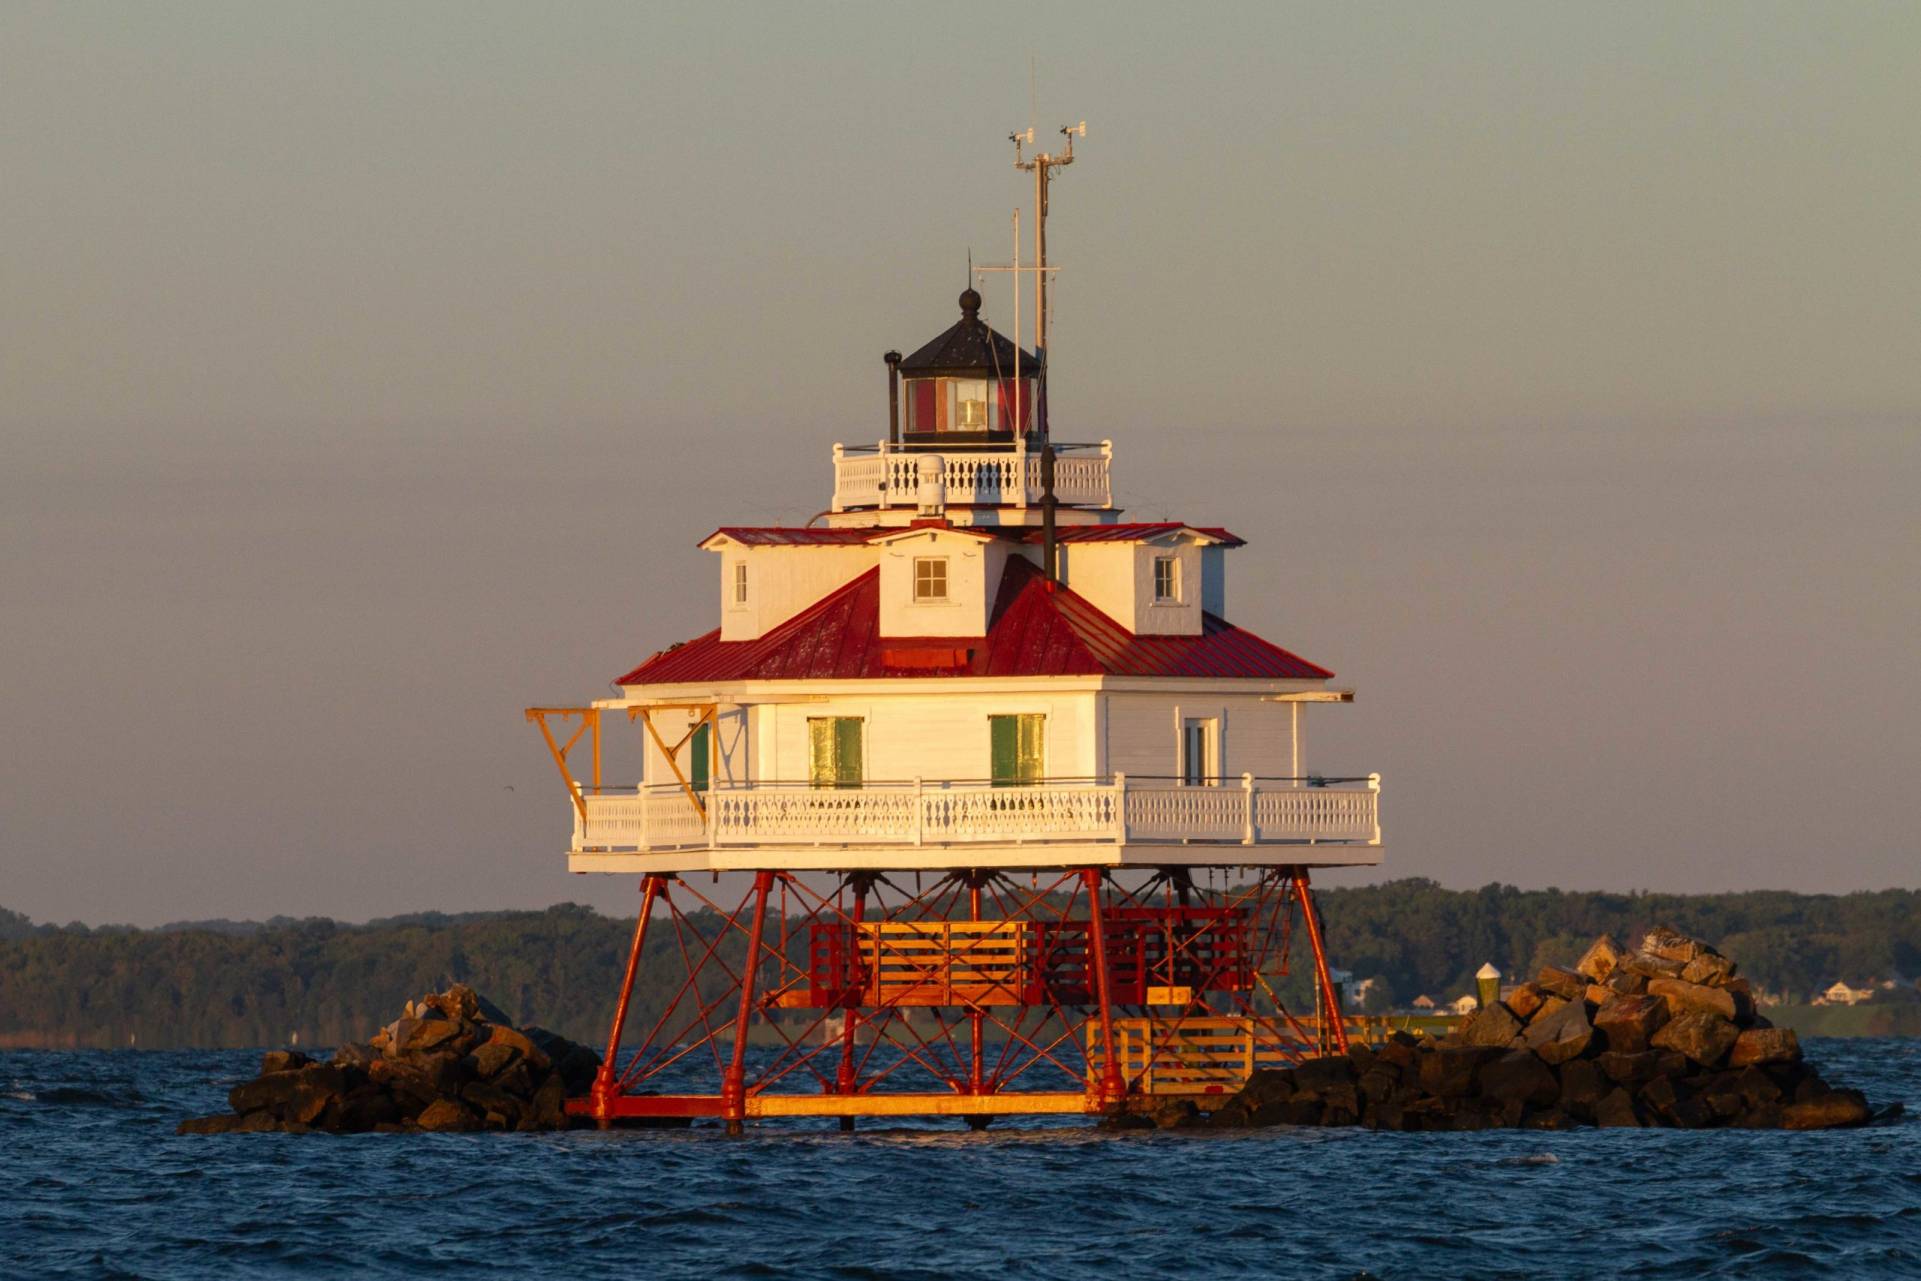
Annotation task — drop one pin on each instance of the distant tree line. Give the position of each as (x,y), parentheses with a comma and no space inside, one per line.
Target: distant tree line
(225,983)
(1416,937)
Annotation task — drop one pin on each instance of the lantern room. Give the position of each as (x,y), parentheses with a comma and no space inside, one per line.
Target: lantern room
(970,386)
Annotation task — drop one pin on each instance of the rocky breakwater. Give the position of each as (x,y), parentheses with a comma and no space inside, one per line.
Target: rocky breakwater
(452,1061)
(1664,1035)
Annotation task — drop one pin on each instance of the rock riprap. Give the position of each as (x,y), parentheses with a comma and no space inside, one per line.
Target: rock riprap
(451,1061)
(1664,1035)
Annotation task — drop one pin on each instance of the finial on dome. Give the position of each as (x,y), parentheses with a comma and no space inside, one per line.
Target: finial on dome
(970,303)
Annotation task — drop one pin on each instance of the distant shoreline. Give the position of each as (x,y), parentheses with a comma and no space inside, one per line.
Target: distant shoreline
(233,984)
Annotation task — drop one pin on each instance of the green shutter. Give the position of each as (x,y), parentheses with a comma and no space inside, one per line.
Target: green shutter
(1019,749)
(820,751)
(833,751)
(1033,748)
(847,762)
(700,766)
(1006,736)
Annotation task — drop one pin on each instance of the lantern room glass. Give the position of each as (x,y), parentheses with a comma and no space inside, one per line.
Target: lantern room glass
(937,406)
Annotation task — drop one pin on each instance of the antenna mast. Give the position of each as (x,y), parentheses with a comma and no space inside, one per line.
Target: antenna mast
(1042,166)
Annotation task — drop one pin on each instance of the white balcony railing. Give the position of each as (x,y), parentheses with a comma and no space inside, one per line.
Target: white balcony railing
(1116,811)
(887,475)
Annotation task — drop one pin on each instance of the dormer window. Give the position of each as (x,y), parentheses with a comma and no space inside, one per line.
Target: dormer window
(930,580)
(1167,580)
(740,582)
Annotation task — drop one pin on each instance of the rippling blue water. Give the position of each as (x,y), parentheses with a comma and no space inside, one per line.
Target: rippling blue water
(93,1183)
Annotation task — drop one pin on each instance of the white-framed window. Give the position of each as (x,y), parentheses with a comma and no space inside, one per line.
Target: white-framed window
(834,751)
(1167,580)
(1200,751)
(740,582)
(930,579)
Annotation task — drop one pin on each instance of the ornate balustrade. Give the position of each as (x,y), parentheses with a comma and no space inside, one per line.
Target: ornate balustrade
(1111,811)
(887,475)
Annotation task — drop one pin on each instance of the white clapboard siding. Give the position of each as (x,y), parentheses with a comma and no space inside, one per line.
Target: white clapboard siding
(1142,735)
(942,735)
(782,581)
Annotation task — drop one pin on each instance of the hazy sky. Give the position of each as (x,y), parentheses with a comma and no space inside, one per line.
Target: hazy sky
(368,372)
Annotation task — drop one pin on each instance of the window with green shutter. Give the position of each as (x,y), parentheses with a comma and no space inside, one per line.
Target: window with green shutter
(834,758)
(1019,749)
(700,757)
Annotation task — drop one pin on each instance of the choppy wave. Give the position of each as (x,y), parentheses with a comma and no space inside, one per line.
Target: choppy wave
(94,1183)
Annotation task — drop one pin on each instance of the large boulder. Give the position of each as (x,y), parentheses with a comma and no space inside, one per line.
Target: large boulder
(1672,945)
(1520,1076)
(1549,1004)
(1651,967)
(1492,1024)
(498,1108)
(1565,984)
(1380,1082)
(362,1109)
(523,1045)
(446,1115)
(1828,1111)
(1599,961)
(1583,1086)
(1450,1070)
(1563,1035)
(1710,968)
(493,1059)
(1684,997)
(300,1095)
(1616,1109)
(358,1054)
(547,1109)
(1257,1103)
(1703,1038)
(1524,1001)
(1317,1075)
(430,1034)
(282,1061)
(268,1093)
(578,1065)
(1174,1114)
(1626,1023)
(1626,982)
(1759,1045)
(321,1086)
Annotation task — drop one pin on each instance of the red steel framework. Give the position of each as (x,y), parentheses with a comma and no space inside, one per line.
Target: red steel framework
(1082,990)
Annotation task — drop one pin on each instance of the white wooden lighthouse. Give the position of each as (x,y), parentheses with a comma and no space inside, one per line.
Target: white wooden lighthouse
(995,757)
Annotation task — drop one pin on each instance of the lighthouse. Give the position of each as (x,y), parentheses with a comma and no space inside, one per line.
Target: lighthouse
(974,802)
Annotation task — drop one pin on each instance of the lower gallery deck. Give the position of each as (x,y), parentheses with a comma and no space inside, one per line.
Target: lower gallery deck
(1011,858)
(926,826)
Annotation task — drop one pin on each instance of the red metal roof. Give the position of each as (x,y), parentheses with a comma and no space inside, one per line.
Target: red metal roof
(1034,632)
(1134,532)
(790,535)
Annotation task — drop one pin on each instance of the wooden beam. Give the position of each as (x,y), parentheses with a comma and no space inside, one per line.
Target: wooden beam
(539,715)
(673,762)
